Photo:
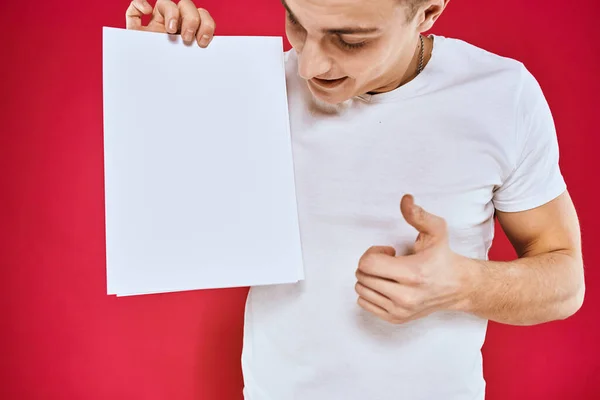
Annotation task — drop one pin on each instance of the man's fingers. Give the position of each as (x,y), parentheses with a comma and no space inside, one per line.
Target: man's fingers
(379,261)
(375,309)
(190,20)
(207,28)
(169,12)
(385,308)
(373,297)
(134,13)
(143,6)
(387,250)
(421,220)
(376,290)
(184,17)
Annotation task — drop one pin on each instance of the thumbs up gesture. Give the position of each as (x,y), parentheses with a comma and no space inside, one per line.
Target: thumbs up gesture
(399,289)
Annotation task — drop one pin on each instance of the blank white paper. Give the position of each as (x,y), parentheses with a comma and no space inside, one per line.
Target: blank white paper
(199,180)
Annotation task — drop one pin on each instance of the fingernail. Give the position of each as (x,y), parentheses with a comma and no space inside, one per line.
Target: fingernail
(188,35)
(204,40)
(172,25)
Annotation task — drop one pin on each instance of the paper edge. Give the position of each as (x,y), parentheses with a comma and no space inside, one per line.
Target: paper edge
(111,290)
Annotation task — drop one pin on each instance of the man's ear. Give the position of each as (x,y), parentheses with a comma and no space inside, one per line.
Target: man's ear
(429,14)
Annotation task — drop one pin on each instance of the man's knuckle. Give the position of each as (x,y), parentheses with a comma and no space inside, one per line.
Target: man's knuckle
(406,303)
(194,20)
(397,309)
(419,277)
(358,288)
(368,261)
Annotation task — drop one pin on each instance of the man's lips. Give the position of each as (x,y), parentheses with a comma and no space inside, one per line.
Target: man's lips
(329,83)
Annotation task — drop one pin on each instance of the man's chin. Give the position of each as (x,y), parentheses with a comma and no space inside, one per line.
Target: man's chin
(328,104)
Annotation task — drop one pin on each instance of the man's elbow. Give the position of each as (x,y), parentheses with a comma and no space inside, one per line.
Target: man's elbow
(574,302)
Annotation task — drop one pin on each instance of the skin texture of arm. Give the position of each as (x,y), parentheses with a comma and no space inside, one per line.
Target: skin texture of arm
(546,282)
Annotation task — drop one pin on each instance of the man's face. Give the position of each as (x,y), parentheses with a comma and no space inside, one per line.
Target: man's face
(349,47)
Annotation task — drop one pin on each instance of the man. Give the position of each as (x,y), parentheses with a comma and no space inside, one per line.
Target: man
(406,148)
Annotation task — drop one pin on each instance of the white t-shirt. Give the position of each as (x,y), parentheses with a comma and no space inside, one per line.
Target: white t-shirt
(471,133)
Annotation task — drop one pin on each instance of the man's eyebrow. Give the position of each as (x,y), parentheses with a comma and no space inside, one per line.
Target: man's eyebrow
(351,30)
(335,31)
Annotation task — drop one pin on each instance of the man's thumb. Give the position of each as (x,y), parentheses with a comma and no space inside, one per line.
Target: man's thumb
(421,220)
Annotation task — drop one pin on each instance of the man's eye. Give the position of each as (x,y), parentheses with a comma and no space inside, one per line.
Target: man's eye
(351,46)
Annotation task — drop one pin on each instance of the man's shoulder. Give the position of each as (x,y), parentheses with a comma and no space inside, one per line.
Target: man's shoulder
(462,61)
(466,54)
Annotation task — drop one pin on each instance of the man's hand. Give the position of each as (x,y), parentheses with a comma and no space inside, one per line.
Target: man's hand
(404,288)
(194,24)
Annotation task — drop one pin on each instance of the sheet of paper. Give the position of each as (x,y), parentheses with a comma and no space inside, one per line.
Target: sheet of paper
(199,183)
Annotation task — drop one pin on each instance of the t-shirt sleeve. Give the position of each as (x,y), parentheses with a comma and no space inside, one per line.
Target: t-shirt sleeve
(536,177)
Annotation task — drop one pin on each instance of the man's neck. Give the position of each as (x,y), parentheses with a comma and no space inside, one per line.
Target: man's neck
(412,71)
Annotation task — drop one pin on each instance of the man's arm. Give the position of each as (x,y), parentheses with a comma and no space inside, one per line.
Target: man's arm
(546,282)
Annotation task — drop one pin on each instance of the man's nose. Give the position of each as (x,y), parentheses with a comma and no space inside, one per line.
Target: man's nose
(313,62)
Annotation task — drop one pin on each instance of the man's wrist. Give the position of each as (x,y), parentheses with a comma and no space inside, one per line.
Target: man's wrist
(471,275)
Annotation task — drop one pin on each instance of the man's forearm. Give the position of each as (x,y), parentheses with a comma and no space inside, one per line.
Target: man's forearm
(526,291)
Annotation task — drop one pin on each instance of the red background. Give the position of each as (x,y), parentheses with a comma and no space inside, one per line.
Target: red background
(62,337)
